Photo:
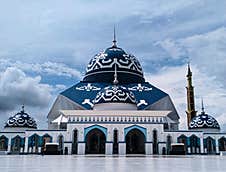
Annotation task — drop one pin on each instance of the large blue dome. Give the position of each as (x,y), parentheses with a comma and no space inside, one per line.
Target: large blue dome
(204,121)
(102,66)
(115,94)
(21,120)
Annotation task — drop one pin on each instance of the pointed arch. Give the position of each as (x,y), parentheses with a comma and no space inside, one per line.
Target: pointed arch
(34,141)
(222,144)
(210,145)
(194,144)
(101,128)
(135,141)
(17,143)
(3,143)
(95,141)
(183,139)
(142,129)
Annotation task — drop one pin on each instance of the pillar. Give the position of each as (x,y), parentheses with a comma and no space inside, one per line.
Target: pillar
(148,148)
(201,146)
(217,146)
(122,148)
(108,148)
(189,150)
(9,146)
(81,148)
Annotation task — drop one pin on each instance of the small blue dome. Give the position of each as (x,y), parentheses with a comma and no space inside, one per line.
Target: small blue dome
(21,119)
(204,121)
(102,66)
(115,94)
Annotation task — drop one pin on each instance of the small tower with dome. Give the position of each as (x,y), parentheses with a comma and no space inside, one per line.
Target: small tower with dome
(20,121)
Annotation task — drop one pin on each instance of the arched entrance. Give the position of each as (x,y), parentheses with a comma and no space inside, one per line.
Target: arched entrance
(222,144)
(3,143)
(183,139)
(95,142)
(210,145)
(135,142)
(194,144)
(16,144)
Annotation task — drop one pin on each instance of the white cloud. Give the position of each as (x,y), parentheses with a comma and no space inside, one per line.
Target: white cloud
(174,49)
(172,80)
(47,68)
(206,50)
(16,88)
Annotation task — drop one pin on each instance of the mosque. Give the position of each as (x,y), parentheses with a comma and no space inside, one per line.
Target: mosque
(113,110)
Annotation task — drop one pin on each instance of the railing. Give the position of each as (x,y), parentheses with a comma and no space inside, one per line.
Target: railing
(117,119)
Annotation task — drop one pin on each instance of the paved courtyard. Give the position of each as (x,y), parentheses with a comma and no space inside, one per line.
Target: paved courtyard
(33,163)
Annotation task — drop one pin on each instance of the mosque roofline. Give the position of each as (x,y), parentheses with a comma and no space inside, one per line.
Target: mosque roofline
(16,132)
(115,113)
(47,130)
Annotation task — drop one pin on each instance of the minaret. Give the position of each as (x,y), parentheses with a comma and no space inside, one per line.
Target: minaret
(191,113)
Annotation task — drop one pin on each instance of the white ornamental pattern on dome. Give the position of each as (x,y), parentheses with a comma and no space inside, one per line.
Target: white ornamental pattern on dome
(115,94)
(101,62)
(140,88)
(204,121)
(88,102)
(21,120)
(88,87)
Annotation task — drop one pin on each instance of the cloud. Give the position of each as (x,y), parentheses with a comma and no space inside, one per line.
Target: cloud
(46,68)
(16,88)
(206,50)
(173,81)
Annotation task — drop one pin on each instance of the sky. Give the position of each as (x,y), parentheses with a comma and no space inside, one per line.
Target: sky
(45,46)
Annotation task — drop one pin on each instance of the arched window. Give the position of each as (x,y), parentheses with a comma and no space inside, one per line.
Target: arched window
(183,139)
(194,144)
(34,142)
(155,142)
(168,144)
(46,139)
(115,141)
(210,145)
(75,142)
(61,146)
(16,144)
(3,143)
(222,144)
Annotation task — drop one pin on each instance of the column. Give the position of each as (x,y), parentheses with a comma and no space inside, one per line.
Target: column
(81,148)
(148,149)
(201,146)
(217,146)
(108,148)
(9,145)
(122,148)
(189,150)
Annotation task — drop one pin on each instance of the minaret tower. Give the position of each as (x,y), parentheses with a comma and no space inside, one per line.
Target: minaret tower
(191,113)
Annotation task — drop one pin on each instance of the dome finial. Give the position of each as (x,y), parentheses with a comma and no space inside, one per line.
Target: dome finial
(22,108)
(203,109)
(115,82)
(189,69)
(114,39)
